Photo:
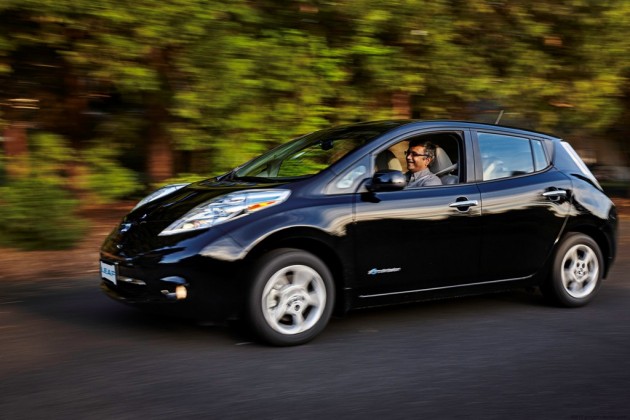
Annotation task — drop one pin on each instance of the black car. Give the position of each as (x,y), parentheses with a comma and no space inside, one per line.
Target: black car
(326,223)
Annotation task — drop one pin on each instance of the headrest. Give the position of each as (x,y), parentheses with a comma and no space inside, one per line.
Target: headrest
(387,160)
(441,161)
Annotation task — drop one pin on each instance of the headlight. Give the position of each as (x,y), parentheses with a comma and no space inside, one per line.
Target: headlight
(160,193)
(226,207)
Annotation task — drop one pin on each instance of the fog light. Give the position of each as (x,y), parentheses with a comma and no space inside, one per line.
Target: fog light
(181,292)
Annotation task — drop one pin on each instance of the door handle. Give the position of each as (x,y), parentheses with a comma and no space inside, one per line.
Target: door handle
(464,205)
(555,194)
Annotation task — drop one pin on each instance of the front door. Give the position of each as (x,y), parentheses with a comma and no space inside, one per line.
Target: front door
(417,239)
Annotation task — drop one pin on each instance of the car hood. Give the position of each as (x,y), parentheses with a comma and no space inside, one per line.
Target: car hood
(173,206)
(138,232)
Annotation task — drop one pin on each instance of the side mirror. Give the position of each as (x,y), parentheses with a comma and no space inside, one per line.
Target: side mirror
(388,180)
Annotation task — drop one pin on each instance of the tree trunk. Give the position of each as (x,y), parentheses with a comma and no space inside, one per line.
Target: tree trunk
(401,105)
(160,152)
(16,149)
(160,159)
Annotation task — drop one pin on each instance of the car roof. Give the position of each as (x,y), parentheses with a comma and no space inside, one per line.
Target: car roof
(389,125)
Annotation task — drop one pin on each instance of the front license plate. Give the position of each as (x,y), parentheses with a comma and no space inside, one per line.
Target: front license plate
(108,272)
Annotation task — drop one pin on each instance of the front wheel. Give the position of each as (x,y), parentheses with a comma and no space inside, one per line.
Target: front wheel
(576,273)
(291,297)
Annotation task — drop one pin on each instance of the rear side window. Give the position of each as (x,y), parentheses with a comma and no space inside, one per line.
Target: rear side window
(504,156)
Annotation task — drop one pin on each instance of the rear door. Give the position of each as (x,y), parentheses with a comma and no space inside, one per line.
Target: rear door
(524,205)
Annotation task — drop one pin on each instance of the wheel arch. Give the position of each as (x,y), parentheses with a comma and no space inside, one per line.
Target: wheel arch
(315,242)
(601,238)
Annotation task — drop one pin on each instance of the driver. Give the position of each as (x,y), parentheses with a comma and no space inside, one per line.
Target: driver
(419,156)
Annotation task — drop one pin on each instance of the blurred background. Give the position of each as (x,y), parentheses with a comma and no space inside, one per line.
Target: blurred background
(101,102)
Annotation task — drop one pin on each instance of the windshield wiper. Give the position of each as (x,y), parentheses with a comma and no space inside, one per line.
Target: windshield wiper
(250,179)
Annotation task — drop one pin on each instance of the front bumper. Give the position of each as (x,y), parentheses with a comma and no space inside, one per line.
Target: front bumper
(197,287)
(136,291)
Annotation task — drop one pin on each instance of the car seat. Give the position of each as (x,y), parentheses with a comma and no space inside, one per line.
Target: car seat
(443,167)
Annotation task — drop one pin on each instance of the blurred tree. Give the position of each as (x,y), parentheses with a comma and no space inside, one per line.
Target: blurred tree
(546,60)
(36,208)
(608,52)
(200,86)
(38,214)
(184,88)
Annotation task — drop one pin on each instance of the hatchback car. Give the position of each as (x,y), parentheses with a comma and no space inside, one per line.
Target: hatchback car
(326,223)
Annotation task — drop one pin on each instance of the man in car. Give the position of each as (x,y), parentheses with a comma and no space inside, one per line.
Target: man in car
(419,156)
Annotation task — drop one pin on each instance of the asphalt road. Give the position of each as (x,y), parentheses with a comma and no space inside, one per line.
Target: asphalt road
(67,351)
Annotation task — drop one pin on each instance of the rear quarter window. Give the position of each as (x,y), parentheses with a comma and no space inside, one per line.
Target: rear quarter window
(540,158)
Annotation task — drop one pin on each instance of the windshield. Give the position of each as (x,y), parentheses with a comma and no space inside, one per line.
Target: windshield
(310,154)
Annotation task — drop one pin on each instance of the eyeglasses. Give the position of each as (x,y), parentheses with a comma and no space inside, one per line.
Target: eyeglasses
(415,154)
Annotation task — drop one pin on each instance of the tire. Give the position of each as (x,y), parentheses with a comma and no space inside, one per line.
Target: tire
(576,274)
(291,297)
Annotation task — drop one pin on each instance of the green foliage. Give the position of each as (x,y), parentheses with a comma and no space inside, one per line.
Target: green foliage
(223,81)
(215,83)
(49,158)
(38,210)
(38,214)
(106,179)
(94,171)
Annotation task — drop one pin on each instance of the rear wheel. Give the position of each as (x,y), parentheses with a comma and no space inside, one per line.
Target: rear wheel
(291,297)
(576,273)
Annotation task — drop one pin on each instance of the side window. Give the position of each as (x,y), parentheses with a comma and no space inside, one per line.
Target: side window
(434,157)
(505,156)
(540,159)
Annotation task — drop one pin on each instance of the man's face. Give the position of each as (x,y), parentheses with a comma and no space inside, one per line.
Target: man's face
(416,159)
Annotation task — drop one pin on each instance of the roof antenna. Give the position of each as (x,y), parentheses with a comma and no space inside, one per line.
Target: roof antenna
(499,118)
